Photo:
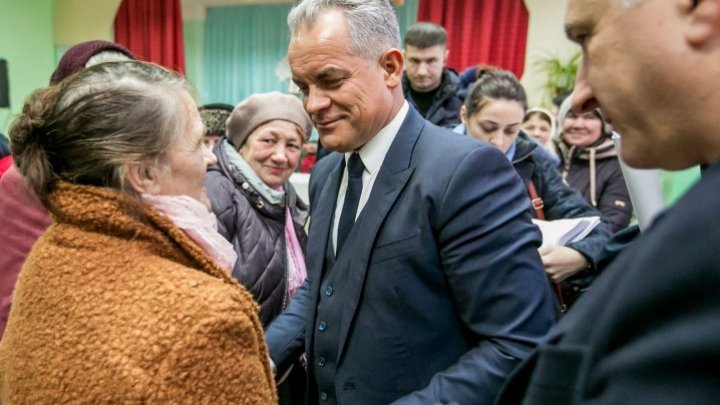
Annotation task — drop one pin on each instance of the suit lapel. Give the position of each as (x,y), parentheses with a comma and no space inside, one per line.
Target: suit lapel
(392,178)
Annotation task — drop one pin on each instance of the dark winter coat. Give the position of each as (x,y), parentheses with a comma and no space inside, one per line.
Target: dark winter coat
(467,78)
(595,173)
(445,108)
(256,228)
(534,163)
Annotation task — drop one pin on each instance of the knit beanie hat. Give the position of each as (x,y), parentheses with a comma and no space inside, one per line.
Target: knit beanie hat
(214,117)
(264,107)
(76,57)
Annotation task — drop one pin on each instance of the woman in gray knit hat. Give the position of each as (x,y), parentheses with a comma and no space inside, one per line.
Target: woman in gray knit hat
(257,208)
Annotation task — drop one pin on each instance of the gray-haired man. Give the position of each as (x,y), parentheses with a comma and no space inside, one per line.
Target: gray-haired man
(425,284)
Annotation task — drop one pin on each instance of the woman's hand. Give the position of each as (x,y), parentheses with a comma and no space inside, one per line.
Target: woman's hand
(561,262)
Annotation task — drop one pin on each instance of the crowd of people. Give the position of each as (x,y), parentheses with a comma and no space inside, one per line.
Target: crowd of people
(154,250)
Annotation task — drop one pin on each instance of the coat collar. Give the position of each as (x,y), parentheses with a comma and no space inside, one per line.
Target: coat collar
(111,212)
(298,208)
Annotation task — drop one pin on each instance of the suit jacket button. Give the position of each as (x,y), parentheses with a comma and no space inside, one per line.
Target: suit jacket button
(321,362)
(329,291)
(323,396)
(322,326)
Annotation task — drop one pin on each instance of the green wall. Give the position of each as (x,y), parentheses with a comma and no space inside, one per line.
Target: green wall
(26,43)
(194,42)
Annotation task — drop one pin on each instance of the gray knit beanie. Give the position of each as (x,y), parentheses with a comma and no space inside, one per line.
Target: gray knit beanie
(265,107)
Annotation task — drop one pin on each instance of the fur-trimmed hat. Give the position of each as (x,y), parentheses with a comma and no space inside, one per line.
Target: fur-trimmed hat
(264,107)
(76,58)
(214,117)
(546,113)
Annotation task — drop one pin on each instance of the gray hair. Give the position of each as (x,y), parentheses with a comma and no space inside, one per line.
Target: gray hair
(106,56)
(87,129)
(372,24)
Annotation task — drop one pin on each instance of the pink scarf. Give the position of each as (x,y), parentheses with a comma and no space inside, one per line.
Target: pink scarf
(199,224)
(297,273)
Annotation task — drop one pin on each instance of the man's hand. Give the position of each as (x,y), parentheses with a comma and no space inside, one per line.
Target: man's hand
(561,262)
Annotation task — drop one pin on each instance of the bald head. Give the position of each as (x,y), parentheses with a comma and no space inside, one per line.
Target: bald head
(631,68)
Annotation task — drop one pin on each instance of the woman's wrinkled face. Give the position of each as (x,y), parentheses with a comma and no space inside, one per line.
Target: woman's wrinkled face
(582,130)
(187,160)
(497,122)
(537,128)
(273,151)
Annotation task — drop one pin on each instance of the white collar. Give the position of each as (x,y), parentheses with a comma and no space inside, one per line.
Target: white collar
(373,153)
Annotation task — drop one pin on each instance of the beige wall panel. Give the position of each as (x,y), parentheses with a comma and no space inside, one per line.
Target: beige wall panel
(84,20)
(546,36)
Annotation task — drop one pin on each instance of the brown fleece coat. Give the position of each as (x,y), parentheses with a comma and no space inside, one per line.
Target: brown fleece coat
(111,309)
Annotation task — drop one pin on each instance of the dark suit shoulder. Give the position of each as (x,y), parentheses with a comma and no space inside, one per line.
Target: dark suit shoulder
(325,165)
(441,150)
(646,330)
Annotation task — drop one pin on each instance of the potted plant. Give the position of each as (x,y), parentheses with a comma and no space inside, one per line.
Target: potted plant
(559,74)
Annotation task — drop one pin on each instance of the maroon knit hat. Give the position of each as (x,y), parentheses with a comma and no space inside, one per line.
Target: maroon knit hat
(76,57)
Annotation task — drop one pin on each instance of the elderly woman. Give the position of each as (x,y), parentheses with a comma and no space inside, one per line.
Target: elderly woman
(493,112)
(127,296)
(22,218)
(257,208)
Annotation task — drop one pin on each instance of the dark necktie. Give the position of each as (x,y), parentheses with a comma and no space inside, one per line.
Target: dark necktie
(352,198)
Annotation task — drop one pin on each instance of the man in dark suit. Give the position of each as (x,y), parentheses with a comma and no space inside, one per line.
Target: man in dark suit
(649,330)
(424,281)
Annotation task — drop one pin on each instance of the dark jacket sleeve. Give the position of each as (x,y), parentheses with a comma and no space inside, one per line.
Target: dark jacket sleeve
(614,198)
(220,192)
(488,247)
(562,202)
(231,210)
(285,336)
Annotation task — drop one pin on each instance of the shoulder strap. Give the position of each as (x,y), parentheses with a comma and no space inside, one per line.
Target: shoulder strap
(538,205)
(537,202)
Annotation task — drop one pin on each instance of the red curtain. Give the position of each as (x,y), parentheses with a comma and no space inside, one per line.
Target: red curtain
(492,32)
(152,30)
